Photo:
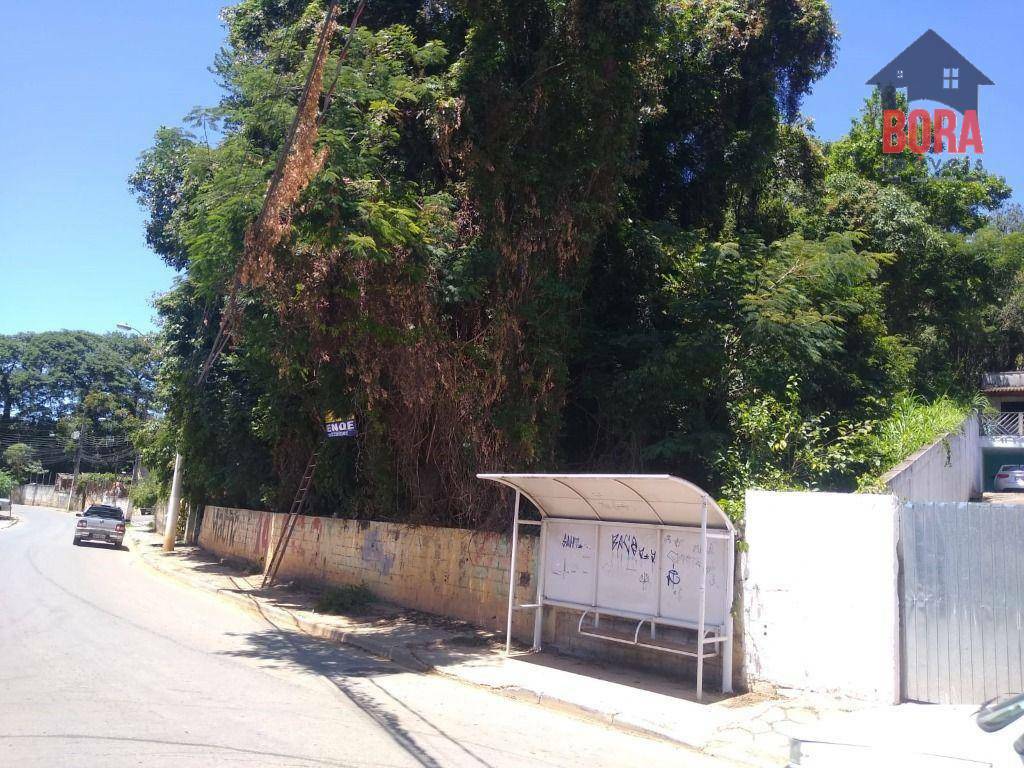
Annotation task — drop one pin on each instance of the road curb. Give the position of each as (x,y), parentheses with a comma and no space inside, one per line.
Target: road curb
(399,653)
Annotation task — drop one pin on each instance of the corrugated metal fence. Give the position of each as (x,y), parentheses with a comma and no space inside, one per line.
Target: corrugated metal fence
(961,601)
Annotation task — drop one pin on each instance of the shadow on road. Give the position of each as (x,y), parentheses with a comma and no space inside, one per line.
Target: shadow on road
(351,673)
(101,545)
(390,624)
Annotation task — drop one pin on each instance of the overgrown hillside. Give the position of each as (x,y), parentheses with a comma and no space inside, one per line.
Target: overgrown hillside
(545,235)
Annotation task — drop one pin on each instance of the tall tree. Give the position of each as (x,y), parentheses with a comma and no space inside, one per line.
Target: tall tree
(552,234)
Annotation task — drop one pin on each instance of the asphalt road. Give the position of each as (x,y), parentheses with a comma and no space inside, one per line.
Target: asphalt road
(103,663)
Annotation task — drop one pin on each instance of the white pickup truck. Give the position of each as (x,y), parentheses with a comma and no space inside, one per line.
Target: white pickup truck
(100,523)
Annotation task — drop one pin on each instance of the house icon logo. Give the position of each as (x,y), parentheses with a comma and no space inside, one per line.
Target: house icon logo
(930,69)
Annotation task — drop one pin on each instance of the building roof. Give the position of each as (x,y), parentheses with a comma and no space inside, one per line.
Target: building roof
(652,499)
(1002,382)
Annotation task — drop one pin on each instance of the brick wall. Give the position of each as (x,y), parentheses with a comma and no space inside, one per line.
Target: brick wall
(240,534)
(446,571)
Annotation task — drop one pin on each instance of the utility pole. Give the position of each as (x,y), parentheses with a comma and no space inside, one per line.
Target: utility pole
(131,486)
(171,526)
(78,465)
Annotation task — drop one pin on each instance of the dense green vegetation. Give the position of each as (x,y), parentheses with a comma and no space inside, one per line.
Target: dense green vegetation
(21,461)
(556,235)
(57,383)
(6,484)
(912,425)
(99,483)
(147,492)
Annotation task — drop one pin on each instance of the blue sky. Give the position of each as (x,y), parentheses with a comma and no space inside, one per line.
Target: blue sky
(85,85)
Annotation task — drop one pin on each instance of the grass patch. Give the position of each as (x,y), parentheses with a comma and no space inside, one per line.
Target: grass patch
(352,598)
(912,425)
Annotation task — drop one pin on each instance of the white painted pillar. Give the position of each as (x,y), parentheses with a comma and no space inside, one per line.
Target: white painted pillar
(171,524)
(512,578)
(703,595)
(730,598)
(538,618)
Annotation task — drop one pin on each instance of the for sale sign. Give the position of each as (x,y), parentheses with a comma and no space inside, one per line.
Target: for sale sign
(340,427)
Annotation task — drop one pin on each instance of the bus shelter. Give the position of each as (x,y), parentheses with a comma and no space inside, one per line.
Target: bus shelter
(651,550)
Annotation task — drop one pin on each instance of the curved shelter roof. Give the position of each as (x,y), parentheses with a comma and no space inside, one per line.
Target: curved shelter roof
(653,499)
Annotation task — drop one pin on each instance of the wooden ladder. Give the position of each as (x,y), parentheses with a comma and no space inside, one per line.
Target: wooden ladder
(289,524)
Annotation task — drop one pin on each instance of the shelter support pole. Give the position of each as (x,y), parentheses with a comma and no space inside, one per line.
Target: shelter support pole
(703,595)
(657,575)
(727,644)
(538,617)
(512,577)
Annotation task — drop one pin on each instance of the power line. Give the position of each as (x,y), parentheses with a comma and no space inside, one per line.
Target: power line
(230,315)
(50,448)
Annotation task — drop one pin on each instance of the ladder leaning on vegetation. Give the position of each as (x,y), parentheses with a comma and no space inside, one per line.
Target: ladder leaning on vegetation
(289,524)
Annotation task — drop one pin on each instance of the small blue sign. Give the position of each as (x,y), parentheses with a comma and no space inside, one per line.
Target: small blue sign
(340,427)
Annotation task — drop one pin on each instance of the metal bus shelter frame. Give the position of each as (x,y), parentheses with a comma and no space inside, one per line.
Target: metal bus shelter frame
(661,502)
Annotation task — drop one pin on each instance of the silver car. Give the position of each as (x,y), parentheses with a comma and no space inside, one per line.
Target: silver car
(100,523)
(1010,477)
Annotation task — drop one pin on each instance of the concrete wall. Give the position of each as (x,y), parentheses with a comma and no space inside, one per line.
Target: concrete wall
(47,496)
(38,495)
(820,599)
(947,470)
(160,515)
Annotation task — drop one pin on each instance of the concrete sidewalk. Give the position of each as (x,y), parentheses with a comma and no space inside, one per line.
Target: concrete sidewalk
(750,728)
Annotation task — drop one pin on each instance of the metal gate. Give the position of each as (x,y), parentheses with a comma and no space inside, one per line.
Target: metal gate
(961,601)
